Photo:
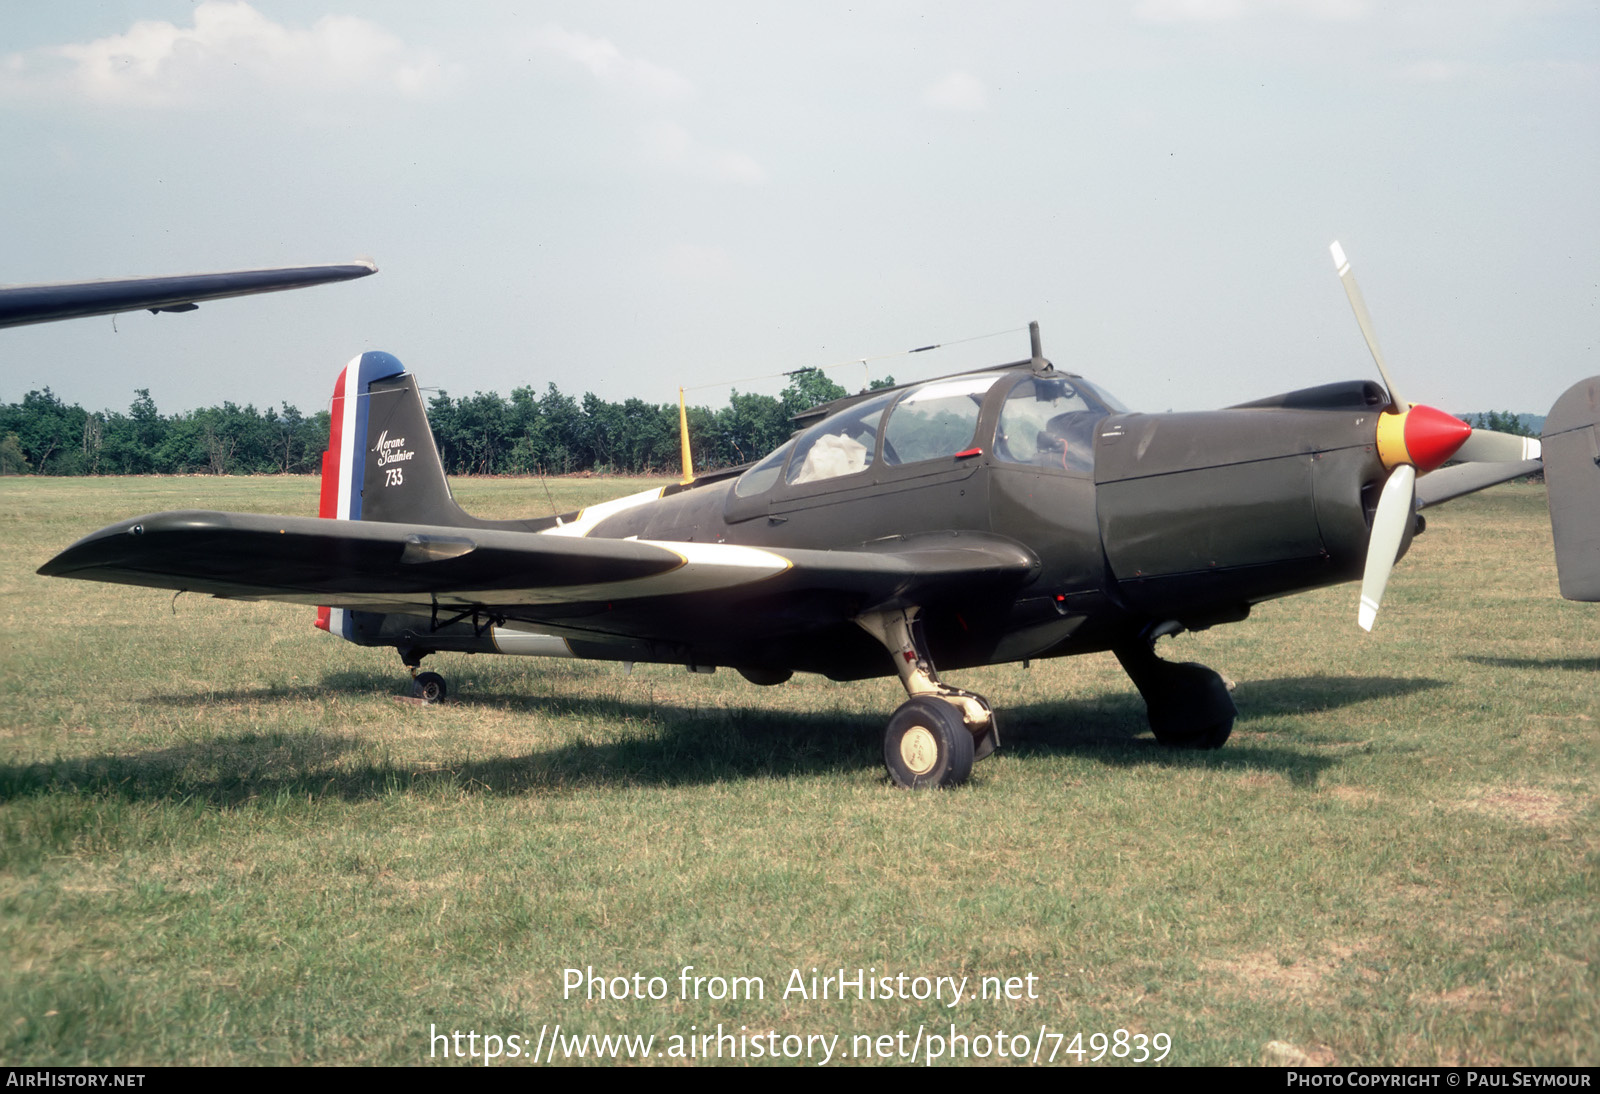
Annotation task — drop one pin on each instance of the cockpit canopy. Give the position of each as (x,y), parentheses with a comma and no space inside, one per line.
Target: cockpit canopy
(1042,419)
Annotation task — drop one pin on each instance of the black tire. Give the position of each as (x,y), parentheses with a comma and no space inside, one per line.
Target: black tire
(766,677)
(927,744)
(429,687)
(1197,712)
(1211,736)
(1188,705)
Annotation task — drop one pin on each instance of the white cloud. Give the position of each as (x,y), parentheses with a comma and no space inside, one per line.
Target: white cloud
(230,47)
(958,91)
(610,65)
(671,146)
(650,90)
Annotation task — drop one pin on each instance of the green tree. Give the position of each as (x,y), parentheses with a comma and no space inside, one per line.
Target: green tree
(51,434)
(808,388)
(749,427)
(1501,421)
(13,461)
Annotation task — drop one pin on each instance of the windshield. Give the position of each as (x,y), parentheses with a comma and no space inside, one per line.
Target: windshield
(763,474)
(1095,391)
(1049,423)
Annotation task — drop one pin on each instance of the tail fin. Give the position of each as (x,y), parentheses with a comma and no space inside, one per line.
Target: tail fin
(381,463)
(1572,477)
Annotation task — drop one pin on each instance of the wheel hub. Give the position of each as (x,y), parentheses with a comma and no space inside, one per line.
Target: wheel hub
(918,750)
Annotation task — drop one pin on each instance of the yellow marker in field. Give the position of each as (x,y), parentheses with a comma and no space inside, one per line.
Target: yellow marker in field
(683,441)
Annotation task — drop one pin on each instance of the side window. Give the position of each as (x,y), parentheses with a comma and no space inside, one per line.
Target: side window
(1046,423)
(935,421)
(843,444)
(763,475)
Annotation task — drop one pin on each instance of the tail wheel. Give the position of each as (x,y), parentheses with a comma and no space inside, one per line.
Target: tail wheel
(927,744)
(429,687)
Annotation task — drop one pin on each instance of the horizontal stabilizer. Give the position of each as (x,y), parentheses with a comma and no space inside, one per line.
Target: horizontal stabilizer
(618,587)
(1572,476)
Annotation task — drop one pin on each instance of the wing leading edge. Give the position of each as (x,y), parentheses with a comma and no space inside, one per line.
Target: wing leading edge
(22,304)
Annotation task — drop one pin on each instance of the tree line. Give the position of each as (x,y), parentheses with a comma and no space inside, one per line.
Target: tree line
(480,434)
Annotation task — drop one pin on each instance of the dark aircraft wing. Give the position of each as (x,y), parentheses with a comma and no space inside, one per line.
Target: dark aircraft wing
(20,304)
(618,587)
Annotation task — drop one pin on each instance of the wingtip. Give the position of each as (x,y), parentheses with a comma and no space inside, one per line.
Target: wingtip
(1339,262)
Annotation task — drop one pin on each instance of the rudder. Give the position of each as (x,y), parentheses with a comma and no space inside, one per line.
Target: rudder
(1572,476)
(381,463)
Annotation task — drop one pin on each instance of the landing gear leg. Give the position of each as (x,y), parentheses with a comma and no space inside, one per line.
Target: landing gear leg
(935,737)
(1187,704)
(427,686)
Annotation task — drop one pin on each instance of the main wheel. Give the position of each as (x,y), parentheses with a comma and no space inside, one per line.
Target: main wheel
(766,677)
(1214,735)
(1196,711)
(429,687)
(927,744)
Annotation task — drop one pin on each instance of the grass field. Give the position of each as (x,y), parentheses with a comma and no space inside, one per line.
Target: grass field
(225,839)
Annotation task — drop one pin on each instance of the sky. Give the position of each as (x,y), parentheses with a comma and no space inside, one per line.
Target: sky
(626,198)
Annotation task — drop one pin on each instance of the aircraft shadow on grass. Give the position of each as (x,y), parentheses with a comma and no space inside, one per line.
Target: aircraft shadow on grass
(1113,728)
(1569,664)
(689,745)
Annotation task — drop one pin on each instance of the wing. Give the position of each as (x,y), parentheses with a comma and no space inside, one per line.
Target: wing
(22,304)
(667,591)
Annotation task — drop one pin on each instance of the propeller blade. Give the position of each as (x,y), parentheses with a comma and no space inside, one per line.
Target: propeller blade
(1488,446)
(1395,513)
(1353,291)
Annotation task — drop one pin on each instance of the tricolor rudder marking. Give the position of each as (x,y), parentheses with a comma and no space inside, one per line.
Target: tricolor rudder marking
(344,463)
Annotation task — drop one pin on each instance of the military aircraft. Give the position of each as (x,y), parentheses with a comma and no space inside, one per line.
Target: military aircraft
(21,304)
(1010,513)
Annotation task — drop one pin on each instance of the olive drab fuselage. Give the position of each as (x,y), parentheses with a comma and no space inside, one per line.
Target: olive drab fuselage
(1177,519)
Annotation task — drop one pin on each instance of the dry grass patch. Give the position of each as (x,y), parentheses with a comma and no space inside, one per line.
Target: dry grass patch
(1523,804)
(1284,1054)
(1355,795)
(1260,779)
(1466,997)
(1304,979)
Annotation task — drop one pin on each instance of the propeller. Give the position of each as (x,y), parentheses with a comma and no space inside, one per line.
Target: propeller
(1483,445)
(1489,446)
(1359,306)
(1395,506)
(1412,440)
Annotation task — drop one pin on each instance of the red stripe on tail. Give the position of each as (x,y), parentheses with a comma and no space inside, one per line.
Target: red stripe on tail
(328,505)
